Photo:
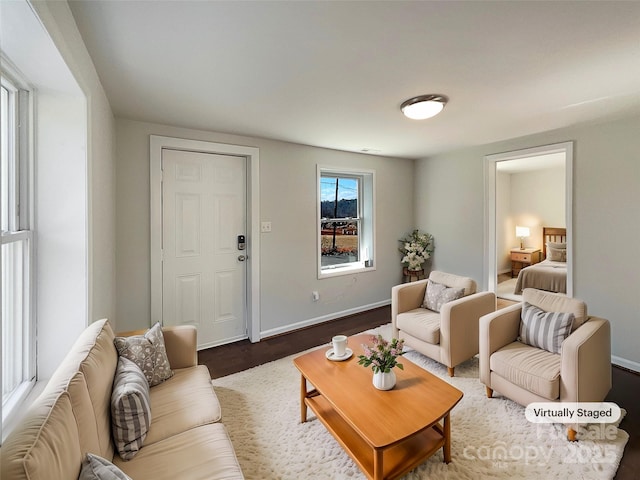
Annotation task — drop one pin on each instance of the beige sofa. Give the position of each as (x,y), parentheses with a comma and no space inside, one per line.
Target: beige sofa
(186,440)
(581,372)
(449,336)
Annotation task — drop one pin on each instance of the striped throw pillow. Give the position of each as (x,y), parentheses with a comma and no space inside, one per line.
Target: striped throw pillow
(546,330)
(130,408)
(98,468)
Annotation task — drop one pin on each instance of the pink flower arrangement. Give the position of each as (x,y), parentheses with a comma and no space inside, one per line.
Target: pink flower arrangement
(382,355)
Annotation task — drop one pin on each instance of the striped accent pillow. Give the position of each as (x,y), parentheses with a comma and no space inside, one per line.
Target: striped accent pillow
(130,408)
(546,330)
(98,468)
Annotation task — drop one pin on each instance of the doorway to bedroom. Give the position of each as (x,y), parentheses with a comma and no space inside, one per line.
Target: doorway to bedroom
(527,208)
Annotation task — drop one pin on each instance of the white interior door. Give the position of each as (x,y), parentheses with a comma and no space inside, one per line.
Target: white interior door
(203,268)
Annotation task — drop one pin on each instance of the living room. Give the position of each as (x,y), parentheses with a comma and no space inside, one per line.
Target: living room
(440,191)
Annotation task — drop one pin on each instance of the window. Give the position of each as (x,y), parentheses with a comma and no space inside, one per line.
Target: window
(18,333)
(345,221)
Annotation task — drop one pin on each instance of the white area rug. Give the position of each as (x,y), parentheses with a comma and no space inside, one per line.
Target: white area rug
(506,289)
(490,437)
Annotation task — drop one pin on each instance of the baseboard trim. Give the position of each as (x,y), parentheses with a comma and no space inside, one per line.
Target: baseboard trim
(624,363)
(324,318)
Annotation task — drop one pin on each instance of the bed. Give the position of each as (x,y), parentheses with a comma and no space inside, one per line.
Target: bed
(551,273)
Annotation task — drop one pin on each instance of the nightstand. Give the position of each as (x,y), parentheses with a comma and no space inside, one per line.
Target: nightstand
(523,258)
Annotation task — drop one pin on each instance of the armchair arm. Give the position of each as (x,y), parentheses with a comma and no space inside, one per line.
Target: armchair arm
(497,330)
(459,321)
(585,371)
(406,297)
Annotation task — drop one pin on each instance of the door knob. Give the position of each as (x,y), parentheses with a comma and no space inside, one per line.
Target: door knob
(242,258)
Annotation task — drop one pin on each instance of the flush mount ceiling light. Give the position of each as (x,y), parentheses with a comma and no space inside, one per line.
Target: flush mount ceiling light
(424,106)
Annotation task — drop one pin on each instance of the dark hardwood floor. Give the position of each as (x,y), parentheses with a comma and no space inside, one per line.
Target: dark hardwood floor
(235,357)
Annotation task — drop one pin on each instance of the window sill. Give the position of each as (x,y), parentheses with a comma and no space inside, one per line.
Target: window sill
(347,270)
(14,411)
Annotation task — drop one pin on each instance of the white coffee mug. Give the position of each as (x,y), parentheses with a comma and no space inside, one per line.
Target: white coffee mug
(339,345)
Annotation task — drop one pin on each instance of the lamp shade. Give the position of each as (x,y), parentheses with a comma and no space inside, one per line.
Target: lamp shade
(423,106)
(522,231)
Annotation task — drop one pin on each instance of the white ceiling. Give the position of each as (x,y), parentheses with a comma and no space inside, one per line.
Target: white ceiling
(333,74)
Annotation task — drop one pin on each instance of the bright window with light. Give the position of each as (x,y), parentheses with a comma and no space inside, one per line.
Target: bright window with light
(345,221)
(18,333)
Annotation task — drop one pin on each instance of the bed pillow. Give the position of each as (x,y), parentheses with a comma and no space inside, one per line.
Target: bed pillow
(560,245)
(557,254)
(130,408)
(98,468)
(148,352)
(546,330)
(437,294)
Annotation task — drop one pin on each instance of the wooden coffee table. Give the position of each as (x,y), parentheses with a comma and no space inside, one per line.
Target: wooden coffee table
(387,433)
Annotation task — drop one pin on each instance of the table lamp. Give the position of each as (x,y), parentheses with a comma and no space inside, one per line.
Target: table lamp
(522,232)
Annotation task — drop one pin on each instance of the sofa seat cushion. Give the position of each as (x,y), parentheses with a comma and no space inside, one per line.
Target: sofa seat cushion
(203,452)
(185,401)
(531,368)
(421,323)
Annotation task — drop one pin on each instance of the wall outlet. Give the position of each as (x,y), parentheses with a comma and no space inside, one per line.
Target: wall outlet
(265,227)
(315,295)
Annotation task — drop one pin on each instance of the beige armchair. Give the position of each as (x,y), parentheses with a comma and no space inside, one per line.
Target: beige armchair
(450,336)
(581,372)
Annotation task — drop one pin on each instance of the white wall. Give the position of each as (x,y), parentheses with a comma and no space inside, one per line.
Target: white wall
(288,253)
(100,191)
(74,175)
(537,200)
(606,191)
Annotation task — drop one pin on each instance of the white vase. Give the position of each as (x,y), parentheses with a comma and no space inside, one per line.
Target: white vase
(384,381)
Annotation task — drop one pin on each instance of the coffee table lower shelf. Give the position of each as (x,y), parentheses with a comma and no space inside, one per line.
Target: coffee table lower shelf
(397,459)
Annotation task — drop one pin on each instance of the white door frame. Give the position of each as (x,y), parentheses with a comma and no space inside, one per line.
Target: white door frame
(252,154)
(490,258)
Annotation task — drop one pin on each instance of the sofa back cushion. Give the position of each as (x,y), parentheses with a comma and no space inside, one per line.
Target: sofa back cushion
(454,281)
(553,302)
(46,446)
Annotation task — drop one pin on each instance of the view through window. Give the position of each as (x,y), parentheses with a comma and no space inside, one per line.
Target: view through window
(340,220)
(345,216)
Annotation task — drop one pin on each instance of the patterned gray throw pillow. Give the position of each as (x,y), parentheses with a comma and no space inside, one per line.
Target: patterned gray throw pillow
(98,468)
(546,330)
(438,294)
(148,352)
(130,408)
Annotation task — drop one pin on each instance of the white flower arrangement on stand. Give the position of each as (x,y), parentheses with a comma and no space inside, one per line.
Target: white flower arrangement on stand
(416,249)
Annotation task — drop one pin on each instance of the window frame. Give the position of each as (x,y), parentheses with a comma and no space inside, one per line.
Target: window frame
(19,226)
(365,219)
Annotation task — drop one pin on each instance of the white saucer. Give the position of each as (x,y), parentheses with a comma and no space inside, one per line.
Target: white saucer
(347,354)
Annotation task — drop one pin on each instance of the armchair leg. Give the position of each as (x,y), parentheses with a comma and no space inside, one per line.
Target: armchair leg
(450,371)
(571,434)
(489,392)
